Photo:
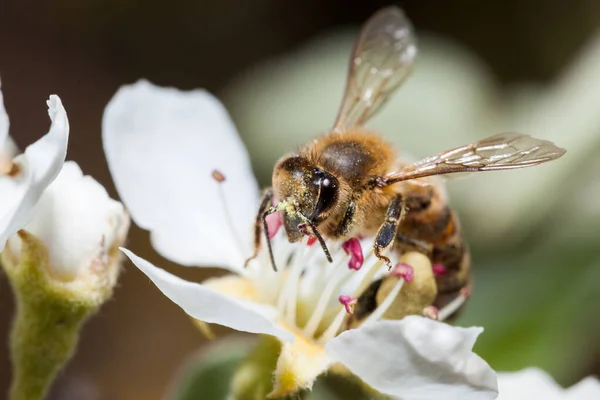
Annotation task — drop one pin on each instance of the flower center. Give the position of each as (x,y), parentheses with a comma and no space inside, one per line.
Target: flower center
(314,296)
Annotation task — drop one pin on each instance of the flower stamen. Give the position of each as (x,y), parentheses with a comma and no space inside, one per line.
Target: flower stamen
(373,265)
(348,302)
(407,271)
(334,327)
(439,270)
(404,271)
(220,179)
(455,304)
(289,294)
(317,315)
(274,222)
(14,170)
(431,312)
(353,248)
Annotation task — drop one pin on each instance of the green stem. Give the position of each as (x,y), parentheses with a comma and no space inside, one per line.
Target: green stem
(46,328)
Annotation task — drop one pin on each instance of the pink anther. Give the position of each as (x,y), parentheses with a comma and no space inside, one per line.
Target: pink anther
(218,176)
(311,240)
(274,222)
(466,291)
(431,312)
(439,270)
(353,248)
(348,302)
(404,271)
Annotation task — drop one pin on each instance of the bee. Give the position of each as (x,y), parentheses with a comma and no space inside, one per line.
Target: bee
(350,182)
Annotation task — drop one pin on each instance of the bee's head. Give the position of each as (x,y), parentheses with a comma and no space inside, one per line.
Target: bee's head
(307,194)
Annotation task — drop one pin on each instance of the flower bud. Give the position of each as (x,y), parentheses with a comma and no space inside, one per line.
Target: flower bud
(62,266)
(80,228)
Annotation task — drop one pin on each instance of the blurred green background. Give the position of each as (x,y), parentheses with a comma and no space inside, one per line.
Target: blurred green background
(484,67)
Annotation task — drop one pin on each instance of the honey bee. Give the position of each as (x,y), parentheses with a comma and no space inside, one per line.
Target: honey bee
(349,182)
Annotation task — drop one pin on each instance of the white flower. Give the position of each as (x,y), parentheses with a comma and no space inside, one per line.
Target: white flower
(80,226)
(163,146)
(533,383)
(24,177)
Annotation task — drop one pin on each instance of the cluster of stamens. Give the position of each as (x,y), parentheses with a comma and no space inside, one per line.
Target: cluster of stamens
(305,268)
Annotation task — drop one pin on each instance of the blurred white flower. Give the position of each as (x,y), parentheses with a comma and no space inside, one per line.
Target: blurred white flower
(81,228)
(24,177)
(162,147)
(533,383)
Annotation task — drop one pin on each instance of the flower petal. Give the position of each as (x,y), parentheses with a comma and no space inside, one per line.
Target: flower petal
(76,221)
(416,358)
(298,365)
(39,166)
(211,306)
(586,389)
(162,146)
(6,144)
(530,383)
(533,383)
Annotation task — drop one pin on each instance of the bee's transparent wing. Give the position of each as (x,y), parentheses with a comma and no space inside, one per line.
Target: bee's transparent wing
(382,58)
(503,151)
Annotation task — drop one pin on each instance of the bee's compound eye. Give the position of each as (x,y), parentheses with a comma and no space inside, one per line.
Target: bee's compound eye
(327,186)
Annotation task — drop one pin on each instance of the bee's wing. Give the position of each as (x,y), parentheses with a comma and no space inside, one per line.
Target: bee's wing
(382,58)
(503,151)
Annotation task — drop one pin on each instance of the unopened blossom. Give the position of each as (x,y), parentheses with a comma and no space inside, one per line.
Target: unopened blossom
(80,227)
(62,265)
(163,147)
(59,239)
(533,383)
(24,177)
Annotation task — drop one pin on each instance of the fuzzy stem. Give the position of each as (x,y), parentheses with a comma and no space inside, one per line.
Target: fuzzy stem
(46,328)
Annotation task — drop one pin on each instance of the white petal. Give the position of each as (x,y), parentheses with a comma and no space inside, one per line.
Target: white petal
(40,164)
(8,149)
(162,145)
(416,358)
(530,383)
(5,145)
(586,389)
(77,221)
(533,383)
(211,306)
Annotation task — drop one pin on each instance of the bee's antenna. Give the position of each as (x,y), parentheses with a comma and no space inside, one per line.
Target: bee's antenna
(315,232)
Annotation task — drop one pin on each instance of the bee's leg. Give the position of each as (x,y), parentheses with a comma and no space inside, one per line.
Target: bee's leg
(265,203)
(389,229)
(348,220)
